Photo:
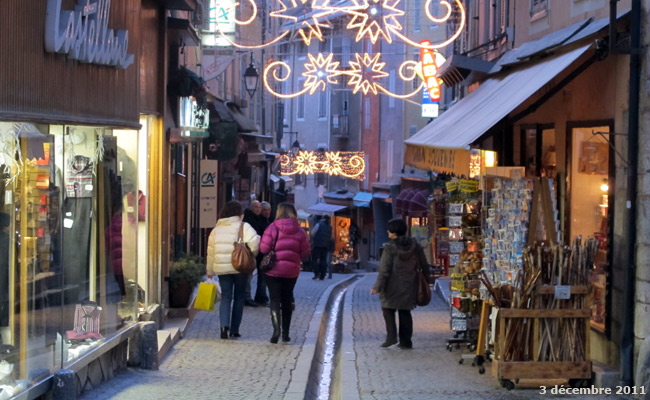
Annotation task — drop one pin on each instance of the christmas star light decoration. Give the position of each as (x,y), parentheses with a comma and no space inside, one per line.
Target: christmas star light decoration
(374,18)
(365,71)
(347,164)
(307,28)
(321,71)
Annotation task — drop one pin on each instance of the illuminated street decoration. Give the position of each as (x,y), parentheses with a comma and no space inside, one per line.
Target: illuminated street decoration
(347,164)
(371,19)
(375,18)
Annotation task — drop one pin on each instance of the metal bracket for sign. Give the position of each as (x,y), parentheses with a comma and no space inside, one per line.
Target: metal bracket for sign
(609,142)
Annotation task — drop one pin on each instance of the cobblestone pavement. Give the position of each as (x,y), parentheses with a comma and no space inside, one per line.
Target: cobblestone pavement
(202,366)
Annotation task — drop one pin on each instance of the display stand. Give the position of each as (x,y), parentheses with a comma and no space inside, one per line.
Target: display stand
(577,369)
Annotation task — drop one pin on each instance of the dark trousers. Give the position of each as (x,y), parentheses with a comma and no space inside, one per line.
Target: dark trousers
(405,325)
(319,259)
(260,293)
(281,294)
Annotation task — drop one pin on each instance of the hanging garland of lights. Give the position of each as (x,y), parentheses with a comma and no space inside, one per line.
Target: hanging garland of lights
(347,164)
(371,19)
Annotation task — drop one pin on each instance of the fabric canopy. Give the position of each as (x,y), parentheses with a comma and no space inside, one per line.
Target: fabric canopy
(362,199)
(325,209)
(443,145)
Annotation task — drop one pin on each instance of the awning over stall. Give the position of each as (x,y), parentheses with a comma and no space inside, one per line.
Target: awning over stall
(325,209)
(362,199)
(443,145)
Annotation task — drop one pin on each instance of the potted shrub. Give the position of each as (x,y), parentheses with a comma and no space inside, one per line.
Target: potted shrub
(184,274)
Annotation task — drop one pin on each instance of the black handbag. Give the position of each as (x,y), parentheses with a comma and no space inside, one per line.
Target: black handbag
(269,258)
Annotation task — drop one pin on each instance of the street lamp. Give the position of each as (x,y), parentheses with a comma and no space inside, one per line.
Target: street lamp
(295,147)
(250,79)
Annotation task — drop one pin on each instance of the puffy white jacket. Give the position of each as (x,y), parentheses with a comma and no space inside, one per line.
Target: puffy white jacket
(221,245)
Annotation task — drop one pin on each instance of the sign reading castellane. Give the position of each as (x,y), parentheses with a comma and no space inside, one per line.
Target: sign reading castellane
(83,34)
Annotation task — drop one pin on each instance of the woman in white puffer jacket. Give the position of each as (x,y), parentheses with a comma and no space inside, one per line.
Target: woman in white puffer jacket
(219,262)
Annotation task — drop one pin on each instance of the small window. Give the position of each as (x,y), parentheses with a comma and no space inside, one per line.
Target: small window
(300,113)
(322,104)
(538,7)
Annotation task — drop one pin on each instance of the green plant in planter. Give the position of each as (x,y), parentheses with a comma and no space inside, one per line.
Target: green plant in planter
(189,268)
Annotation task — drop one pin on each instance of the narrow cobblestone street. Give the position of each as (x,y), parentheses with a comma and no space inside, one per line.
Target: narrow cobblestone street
(202,366)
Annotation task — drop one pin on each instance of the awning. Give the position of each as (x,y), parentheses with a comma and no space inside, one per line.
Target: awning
(402,201)
(443,145)
(325,209)
(362,199)
(302,214)
(245,124)
(418,202)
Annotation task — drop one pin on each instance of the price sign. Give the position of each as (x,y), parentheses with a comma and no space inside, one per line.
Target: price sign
(562,292)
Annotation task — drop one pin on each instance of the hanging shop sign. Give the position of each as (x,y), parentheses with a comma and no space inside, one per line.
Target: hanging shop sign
(193,120)
(430,70)
(222,23)
(444,160)
(346,164)
(83,34)
(430,108)
(208,193)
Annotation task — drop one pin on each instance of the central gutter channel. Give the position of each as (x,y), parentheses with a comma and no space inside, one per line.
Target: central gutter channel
(324,381)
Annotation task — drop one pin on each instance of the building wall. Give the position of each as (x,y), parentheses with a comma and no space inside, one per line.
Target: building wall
(68,90)
(642,322)
(559,14)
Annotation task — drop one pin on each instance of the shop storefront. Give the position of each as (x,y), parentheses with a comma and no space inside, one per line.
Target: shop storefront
(545,117)
(72,208)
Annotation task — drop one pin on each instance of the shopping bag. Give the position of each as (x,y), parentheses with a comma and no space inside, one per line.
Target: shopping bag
(424,291)
(206,296)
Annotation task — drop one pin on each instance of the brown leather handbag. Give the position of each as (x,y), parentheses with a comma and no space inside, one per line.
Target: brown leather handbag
(424,291)
(242,258)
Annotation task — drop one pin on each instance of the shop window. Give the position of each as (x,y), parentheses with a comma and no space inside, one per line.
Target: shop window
(538,7)
(66,246)
(589,205)
(538,151)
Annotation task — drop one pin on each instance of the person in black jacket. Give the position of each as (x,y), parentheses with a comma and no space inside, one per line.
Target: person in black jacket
(321,239)
(253,216)
(397,283)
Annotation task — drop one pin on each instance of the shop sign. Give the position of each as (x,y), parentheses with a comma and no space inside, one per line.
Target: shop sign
(454,161)
(208,193)
(194,122)
(468,185)
(221,22)
(430,70)
(451,186)
(83,34)
(429,107)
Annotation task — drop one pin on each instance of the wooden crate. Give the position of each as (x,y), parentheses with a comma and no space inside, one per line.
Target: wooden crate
(578,372)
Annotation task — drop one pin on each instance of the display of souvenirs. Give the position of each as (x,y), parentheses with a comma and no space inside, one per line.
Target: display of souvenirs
(506,226)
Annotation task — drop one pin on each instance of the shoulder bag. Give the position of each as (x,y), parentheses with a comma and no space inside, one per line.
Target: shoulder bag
(424,290)
(269,259)
(242,257)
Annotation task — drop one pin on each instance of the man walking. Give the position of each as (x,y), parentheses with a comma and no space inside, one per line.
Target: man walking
(321,238)
(253,217)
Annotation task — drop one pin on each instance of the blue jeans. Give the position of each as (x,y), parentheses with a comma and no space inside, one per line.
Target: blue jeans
(233,286)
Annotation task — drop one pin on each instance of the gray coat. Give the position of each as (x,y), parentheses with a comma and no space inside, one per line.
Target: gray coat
(397,279)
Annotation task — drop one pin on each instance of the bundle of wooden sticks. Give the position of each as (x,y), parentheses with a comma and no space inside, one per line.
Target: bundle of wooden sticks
(558,339)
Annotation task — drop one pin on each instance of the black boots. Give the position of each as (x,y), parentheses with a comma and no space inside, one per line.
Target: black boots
(286,324)
(224,333)
(275,320)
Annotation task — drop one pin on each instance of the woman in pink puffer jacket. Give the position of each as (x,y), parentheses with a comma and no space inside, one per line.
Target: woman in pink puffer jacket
(289,240)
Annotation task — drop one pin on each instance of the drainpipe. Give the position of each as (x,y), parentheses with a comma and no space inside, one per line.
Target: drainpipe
(627,336)
(612,26)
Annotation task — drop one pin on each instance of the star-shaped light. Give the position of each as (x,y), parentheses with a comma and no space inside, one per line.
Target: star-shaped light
(364,71)
(320,71)
(374,18)
(306,162)
(310,27)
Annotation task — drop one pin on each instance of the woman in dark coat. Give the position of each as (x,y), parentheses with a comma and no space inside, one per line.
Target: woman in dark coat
(397,282)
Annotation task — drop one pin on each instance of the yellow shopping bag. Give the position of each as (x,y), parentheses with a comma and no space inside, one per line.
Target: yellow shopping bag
(207,296)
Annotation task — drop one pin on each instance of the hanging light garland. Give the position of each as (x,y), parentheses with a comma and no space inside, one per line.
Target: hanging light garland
(371,19)
(347,164)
